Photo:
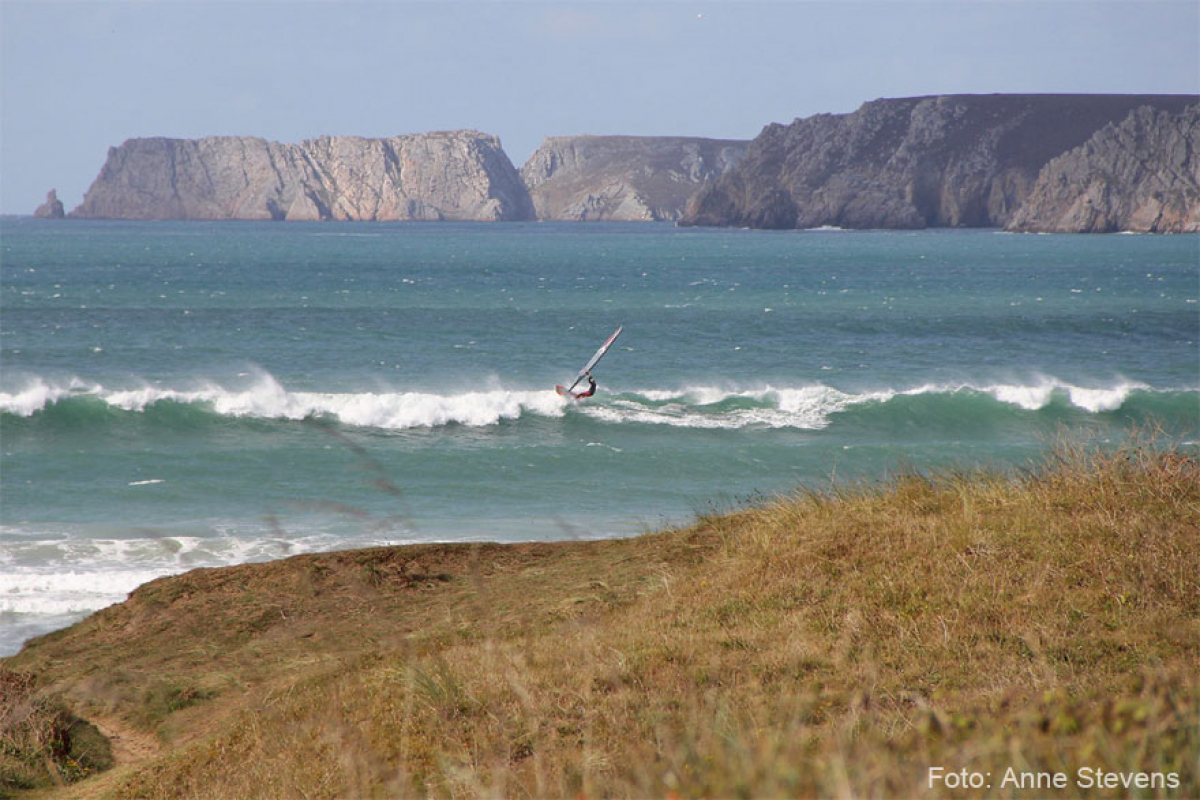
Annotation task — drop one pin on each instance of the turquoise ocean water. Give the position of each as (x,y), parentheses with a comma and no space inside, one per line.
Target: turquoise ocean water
(176,395)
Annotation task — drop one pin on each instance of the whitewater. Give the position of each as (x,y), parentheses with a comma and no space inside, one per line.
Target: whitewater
(186,395)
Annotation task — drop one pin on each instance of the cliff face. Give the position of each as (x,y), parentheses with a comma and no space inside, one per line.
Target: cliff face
(458,175)
(1140,175)
(1025,162)
(957,160)
(641,178)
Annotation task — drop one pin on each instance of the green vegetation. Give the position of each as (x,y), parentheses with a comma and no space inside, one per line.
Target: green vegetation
(827,643)
(41,742)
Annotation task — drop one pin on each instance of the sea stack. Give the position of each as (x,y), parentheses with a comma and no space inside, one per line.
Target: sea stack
(52,208)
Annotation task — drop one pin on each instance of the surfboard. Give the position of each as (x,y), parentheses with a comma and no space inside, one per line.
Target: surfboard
(595,359)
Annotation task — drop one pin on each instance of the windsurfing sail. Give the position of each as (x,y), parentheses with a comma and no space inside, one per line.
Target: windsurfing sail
(596,358)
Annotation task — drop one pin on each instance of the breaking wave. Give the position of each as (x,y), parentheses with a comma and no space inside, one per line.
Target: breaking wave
(267,399)
(78,404)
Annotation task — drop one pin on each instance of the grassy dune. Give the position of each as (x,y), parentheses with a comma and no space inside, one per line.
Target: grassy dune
(828,643)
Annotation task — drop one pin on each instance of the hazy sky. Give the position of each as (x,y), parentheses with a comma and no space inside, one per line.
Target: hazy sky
(79,77)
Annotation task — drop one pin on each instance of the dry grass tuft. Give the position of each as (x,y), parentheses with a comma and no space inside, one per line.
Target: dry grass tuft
(41,742)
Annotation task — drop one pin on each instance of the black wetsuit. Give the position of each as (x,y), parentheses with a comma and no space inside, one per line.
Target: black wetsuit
(591,388)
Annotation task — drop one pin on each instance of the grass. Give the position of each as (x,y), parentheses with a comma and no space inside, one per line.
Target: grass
(41,741)
(826,643)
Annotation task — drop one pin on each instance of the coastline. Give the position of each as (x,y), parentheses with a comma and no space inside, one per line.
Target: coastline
(864,641)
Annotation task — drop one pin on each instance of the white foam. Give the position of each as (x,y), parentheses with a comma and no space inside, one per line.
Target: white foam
(674,414)
(1030,398)
(35,396)
(810,406)
(69,572)
(402,410)
(805,407)
(1035,396)
(1097,400)
(389,410)
(69,592)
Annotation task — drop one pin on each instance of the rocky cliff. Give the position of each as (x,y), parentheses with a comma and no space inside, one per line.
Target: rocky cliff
(457,175)
(1142,174)
(642,178)
(52,208)
(956,160)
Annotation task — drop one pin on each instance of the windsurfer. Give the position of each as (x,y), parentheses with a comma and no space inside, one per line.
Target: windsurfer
(591,390)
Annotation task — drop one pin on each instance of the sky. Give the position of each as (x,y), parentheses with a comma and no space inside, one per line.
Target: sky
(79,77)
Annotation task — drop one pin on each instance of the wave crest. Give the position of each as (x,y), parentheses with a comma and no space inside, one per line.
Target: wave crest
(266,398)
(811,406)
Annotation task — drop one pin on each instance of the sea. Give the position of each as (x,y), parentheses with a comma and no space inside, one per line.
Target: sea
(178,395)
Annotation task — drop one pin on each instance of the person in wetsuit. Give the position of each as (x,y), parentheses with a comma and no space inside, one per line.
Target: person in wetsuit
(591,390)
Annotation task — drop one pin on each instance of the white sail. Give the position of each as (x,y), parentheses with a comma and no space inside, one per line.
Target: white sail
(594,359)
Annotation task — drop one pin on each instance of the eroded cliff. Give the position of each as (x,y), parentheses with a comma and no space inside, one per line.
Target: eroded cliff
(1142,174)
(947,161)
(456,175)
(633,178)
